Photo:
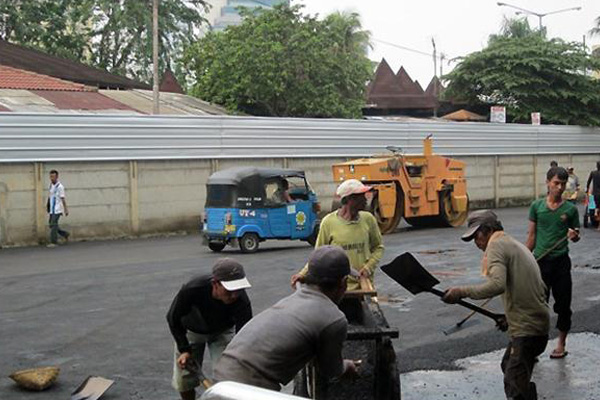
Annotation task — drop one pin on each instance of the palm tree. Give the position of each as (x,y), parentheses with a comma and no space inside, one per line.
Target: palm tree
(348,26)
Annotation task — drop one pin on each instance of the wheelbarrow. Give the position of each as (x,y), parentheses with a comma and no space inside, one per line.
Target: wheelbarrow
(368,340)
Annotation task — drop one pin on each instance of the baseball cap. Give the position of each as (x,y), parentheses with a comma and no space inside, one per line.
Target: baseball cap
(475,220)
(328,263)
(352,186)
(231,274)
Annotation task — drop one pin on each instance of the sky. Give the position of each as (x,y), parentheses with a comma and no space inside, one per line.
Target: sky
(458,27)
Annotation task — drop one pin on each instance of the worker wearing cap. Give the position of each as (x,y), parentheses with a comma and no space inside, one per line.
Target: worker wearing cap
(353,229)
(511,271)
(308,325)
(203,314)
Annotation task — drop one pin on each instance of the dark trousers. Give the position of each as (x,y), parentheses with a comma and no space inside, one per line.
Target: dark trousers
(54,229)
(556,274)
(517,366)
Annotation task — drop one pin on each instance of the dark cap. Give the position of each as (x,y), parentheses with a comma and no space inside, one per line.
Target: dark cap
(476,219)
(328,263)
(231,274)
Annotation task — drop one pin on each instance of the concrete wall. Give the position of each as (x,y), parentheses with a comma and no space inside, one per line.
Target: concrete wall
(129,198)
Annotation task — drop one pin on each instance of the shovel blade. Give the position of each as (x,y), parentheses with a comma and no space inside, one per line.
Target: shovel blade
(408,272)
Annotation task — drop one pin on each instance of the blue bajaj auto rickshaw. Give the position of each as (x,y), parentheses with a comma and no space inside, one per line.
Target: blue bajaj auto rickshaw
(248,205)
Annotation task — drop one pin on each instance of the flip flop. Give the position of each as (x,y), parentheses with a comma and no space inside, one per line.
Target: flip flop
(559,355)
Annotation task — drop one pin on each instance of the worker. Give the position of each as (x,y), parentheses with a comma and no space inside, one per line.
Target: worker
(511,270)
(353,229)
(203,314)
(594,180)
(307,325)
(551,222)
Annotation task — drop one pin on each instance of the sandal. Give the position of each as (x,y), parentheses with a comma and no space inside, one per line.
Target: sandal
(555,354)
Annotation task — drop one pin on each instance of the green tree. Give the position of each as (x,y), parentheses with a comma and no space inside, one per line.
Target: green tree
(283,63)
(59,27)
(529,73)
(115,35)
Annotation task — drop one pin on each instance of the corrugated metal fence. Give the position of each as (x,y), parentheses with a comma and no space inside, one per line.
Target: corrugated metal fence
(40,138)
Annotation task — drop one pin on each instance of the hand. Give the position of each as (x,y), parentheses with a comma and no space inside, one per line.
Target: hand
(351,368)
(502,324)
(295,278)
(182,360)
(66,212)
(453,295)
(573,235)
(365,273)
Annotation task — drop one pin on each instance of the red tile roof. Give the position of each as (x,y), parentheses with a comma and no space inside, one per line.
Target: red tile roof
(21,57)
(12,78)
(81,101)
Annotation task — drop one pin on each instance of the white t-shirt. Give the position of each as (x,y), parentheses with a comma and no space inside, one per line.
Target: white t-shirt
(56,194)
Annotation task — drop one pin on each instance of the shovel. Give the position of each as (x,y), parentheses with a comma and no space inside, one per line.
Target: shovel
(408,272)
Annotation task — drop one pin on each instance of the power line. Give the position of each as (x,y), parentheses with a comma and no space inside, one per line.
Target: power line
(423,53)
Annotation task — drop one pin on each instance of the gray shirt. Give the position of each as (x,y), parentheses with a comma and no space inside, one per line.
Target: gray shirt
(514,273)
(277,343)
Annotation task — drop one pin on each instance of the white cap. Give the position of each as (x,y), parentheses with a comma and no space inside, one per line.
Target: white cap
(352,186)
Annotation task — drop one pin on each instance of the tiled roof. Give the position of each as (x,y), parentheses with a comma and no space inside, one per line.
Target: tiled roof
(12,78)
(21,57)
(398,91)
(81,101)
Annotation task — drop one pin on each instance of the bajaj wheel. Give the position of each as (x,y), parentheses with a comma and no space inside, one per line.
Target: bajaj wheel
(249,243)
(216,246)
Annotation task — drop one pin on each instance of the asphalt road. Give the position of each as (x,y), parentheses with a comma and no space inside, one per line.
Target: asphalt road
(98,308)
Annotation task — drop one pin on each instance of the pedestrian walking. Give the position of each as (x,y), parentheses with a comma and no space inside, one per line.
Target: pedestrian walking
(308,325)
(512,272)
(594,180)
(353,229)
(552,221)
(203,314)
(56,206)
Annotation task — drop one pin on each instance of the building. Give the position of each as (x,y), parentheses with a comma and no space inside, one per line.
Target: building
(33,81)
(225,12)
(392,93)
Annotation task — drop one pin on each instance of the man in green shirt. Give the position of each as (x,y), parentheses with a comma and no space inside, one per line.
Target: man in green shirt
(552,221)
(511,272)
(354,230)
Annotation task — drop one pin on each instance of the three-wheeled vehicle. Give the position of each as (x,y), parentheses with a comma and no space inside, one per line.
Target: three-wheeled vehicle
(247,205)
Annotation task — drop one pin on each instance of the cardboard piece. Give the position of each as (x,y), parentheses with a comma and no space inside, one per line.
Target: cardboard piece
(92,388)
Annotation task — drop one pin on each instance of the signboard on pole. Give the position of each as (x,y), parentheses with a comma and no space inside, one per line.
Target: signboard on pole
(536,118)
(498,114)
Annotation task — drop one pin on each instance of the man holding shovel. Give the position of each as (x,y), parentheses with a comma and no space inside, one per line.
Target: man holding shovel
(203,314)
(552,221)
(511,271)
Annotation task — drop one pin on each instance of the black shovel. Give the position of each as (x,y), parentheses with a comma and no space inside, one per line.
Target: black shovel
(408,272)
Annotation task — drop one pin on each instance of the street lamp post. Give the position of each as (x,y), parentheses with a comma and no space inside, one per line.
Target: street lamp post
(539,15)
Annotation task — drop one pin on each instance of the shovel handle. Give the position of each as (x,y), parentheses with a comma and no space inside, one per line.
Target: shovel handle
(498,318)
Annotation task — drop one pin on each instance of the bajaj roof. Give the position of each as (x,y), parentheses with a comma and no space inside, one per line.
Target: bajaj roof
(234,176)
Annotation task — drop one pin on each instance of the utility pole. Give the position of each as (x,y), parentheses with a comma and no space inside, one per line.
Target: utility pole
(155,104)
(434,78)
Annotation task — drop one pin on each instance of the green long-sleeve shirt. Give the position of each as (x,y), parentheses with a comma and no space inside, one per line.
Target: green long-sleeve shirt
(514,273)
(361,239)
